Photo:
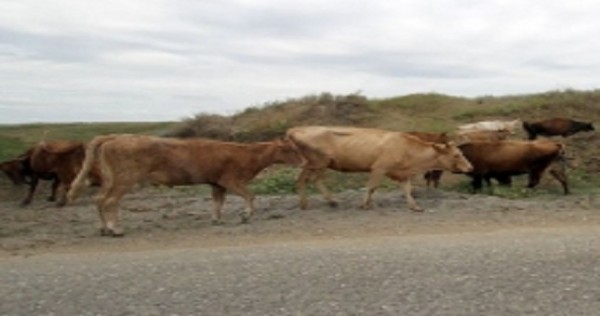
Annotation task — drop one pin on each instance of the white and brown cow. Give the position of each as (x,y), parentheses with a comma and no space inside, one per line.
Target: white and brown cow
(396,155)
(126,160)
(510,126)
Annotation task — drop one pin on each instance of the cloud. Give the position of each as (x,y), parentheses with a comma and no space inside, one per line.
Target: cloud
(80,60)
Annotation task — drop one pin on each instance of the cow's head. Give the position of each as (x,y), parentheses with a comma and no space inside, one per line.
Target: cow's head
(286,152)
(452,158)
(588,127)
(15,170)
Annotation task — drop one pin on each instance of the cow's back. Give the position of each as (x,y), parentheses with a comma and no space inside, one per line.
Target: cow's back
(509,155)
(349,148)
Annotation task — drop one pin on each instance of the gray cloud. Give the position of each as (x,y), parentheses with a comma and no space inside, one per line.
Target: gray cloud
(73,60)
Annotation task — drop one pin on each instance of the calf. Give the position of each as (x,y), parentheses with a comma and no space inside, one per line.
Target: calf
(556,127)
(504,159)
(396,155)
(126,160)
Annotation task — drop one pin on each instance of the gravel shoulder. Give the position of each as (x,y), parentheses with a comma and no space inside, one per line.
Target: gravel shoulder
(165,219)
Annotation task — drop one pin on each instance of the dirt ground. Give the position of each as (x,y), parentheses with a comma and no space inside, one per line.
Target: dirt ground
(162,218)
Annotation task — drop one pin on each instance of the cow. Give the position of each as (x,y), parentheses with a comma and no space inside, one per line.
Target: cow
(55,161)
(433,177)
(59,162)
(556,127)
(492,126)
(396,155)
(126,160)
(465,136)
(503,159)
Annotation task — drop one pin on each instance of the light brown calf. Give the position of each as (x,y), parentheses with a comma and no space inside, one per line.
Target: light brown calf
(126,160)
(396,155)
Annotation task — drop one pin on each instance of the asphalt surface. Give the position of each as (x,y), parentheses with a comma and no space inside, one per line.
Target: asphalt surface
(511,272)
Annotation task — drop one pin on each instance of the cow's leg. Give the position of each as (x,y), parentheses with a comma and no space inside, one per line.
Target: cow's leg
(32,186)
(562,178)
(316,176)
(55,185)
(374,179)
(436,176)
(319,177)
(100,206)
(62,193)
(301,187)
(110,211)
(412,204)
(476,183)
(241,190)
(534,178)
(218,196)
(432,178)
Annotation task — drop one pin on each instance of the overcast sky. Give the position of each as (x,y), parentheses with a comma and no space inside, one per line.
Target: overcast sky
(149,60)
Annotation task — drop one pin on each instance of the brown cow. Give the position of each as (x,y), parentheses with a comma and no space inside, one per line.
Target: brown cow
(59,161)
(433,177)
(126,160)
(382,153)
(504,159)
(556,127)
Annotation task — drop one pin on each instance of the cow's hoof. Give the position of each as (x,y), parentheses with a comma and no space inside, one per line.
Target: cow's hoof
(333,204)
(117,235)
(107,232)
(417,209)
(245,218)
(217,222)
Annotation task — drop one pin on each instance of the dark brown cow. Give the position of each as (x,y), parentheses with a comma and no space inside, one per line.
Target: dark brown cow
(126,160)
(556,127)
(504,159)
(396,155)
(56,161)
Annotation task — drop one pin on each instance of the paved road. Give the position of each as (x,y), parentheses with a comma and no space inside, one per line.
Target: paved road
(514,272)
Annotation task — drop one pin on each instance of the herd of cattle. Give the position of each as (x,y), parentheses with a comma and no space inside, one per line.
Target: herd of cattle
(116,163)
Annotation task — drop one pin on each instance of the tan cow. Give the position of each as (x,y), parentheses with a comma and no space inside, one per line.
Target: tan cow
(396,155)
(126,160)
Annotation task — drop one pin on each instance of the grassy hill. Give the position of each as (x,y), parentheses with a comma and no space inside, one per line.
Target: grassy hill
(422,112)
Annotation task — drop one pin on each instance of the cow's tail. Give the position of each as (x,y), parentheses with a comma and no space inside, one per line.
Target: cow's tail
(91,154)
